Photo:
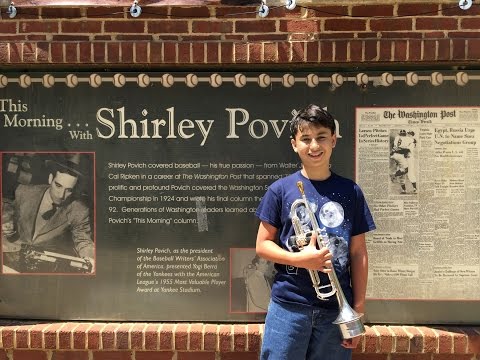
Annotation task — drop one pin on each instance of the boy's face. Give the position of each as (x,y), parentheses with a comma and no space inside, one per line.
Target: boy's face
(314,144)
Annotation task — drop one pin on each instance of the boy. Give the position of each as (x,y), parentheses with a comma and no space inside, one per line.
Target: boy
(299,325)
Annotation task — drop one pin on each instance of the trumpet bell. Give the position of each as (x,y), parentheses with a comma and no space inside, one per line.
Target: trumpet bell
(350,323)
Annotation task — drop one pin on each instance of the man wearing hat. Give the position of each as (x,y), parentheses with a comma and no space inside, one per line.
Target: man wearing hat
(52,217)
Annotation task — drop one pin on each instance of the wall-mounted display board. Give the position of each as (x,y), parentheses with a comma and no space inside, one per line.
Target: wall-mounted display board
(131,196)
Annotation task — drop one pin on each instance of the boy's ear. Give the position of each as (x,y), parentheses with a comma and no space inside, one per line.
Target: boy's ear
(294,144)
(334,140)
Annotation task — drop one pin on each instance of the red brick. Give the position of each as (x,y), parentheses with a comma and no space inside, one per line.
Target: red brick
(3,355)
(70,355)
(357,356)
(410,357)
(458,49)
(312,52)
(429,50)
(386,339)
(154,355)
(102,12)
(141,52)
(137,27)
(356,50)
(416,339)
(443,51)
(225,338)
(56,52)
(239,356)
(402,341)
(113,52)
(436,23)
(430,340)
(4,58)
(156,53)
(36,336)
(210,337)
(414,9)
(122,335)
(212,52)
(99,52)
(473,49)
(169,52)
(370,11)
(400,50)
(196,337)
(371,50)
(71,52)
(345,25)
(341,50)
(254,337)
(460,341)
(166,337)
(372,340)
(21,337)
(93,336)
(473,336)
(167,26)
(204,26)
(255,26)
(326,51)
(126,52)
(54,12)
(385,53)
(255,53)
(298,51)
(107,335)
(284,51)
(16,52)
(239,338)
(80,336)
(181,337)
(65,336)
(112,355)
(29,355)
(85,52)
(327,11)
(8,27)
(196,355)
(136,336)
(241,52)
(451,357)
(391,24)
(184,53)
(198,52)
(226,53)
(50,335)
(414,50)
(34,26)
(8,337)
(299,26)
(190,12)
(151,337)
(85,26)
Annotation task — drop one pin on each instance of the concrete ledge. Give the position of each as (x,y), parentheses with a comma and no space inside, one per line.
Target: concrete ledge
(144,341)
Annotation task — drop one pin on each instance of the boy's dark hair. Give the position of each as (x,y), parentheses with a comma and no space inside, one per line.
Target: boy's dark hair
(312,114)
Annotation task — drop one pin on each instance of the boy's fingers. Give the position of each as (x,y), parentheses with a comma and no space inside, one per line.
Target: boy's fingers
(313,240)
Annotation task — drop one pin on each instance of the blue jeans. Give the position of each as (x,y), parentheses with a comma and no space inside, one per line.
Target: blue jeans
(296,332)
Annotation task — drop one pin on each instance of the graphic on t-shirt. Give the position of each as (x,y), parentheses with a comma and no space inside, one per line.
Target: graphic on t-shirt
(331,214)
(338,246)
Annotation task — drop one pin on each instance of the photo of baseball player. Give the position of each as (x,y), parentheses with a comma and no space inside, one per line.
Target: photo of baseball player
(403,167)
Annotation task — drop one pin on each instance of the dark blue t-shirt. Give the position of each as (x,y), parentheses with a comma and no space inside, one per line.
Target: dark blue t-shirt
(340,207)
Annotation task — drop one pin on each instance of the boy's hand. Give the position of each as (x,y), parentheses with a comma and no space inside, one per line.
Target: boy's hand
(351,343)
(314,259)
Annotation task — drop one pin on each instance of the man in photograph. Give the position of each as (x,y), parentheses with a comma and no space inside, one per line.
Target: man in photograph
(52,218)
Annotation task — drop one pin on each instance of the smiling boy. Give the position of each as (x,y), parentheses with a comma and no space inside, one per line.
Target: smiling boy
(298,324)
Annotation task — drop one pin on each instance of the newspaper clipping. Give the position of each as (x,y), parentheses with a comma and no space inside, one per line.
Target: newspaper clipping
(419,168)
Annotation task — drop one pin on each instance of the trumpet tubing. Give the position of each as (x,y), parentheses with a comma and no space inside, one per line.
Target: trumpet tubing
(348,320)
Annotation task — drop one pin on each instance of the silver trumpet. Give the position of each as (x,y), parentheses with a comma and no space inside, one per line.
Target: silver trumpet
(349,321)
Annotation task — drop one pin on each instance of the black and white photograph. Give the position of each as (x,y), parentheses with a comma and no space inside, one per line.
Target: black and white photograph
(251,281)
(48,213)
(403,162)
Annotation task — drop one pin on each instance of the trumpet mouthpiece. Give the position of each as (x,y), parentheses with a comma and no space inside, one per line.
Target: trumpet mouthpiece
(300,187)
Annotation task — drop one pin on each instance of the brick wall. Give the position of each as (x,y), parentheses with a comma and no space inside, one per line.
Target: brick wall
(331,33)
(149,341)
